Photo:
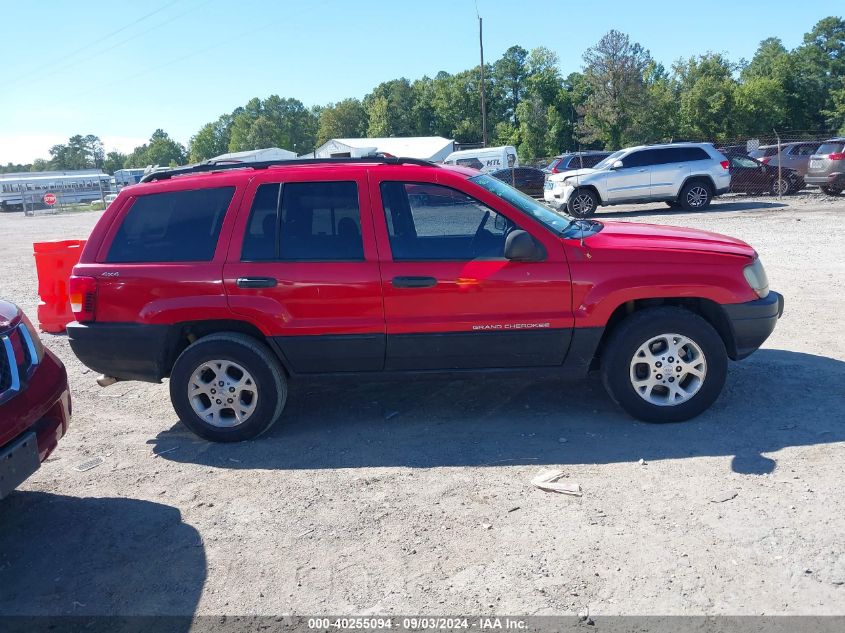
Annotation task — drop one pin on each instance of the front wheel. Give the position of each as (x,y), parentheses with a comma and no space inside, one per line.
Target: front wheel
(695,195)
(582,203)
(664,364)
(227,387)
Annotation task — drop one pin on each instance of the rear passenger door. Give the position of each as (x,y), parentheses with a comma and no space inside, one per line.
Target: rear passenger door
(303,265)
(671,167)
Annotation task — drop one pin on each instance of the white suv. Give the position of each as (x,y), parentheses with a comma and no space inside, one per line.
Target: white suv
(684,175)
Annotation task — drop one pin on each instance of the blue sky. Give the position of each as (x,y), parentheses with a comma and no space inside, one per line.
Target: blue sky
(121,69)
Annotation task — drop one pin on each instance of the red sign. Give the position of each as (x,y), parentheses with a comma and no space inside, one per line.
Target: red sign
(49,199)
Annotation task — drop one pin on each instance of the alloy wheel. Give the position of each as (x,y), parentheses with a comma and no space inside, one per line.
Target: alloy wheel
(222,393)
(668,370)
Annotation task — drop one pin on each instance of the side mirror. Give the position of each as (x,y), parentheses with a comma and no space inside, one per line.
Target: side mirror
(521,247)
(617,165)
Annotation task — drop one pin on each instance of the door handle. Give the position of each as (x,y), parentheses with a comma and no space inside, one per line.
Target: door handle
(414,282)
(257,282)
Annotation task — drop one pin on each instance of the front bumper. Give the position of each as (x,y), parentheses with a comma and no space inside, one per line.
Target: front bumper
(43,407)
(752,322)
(558,196)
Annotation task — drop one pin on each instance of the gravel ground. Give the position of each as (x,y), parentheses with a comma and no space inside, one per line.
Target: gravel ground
(416,498)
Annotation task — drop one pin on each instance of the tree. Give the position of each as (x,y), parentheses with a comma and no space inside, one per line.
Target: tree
(113,161)
(81,152)
(509,73)
(161,150)
(395,107)
(284,123)
(707,97)
(212,139)
(613,71)
(344,119)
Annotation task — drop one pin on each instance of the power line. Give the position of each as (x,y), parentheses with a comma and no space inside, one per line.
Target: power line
(87,46)
(61,68)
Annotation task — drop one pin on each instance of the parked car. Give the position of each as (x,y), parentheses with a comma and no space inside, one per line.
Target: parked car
(35,402)
(749,175)
(110,198)
(575,160)
(684,174)
(233,281)
(794,156)
(486,159)
(827,167)
(527,179)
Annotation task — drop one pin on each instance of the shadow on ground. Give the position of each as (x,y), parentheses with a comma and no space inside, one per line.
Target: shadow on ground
(72,556)
(661,209)
(772,400)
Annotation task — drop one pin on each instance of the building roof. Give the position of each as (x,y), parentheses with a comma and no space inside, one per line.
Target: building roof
(268,153)
(407,146)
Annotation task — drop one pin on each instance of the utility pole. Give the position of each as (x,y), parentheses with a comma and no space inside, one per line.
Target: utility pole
(483,105)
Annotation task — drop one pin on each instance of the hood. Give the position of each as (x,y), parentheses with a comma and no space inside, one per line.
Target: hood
(9,313)
(586,171)
(657,236)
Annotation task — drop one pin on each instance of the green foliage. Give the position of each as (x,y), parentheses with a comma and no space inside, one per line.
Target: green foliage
(113,161)
(345,119)
(80,152)
(161,150)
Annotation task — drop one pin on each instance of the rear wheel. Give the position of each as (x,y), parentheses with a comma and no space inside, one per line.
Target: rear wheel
(582,203)
(227,387)
(831,191)
(664,364)
(695,195)
(782,187)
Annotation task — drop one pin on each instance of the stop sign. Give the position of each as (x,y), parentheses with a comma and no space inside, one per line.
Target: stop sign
(49,199)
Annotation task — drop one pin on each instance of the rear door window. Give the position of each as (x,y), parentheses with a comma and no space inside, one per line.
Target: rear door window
(176,226)
(304,221)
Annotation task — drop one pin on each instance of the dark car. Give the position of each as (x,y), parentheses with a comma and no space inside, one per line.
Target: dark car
(827,167)
(527,179)
(575,160)
(749,175)
(34,399)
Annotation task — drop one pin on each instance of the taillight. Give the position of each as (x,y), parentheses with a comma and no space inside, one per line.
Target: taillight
(765,159)
(725,164)
(83,298)
(837,156)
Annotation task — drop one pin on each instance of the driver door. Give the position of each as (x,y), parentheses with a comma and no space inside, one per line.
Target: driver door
(451,299)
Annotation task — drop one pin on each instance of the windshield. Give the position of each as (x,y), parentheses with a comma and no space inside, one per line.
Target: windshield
(607,162)
(558,222)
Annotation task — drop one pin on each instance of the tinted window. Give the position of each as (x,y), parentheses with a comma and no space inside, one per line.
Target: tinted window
(432,222)
(179,226)
(643,158)
(743,162)
(830,148)
(320,221)
(260,241)
(591,160)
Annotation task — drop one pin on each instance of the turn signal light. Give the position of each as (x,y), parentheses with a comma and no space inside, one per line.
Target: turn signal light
(83,298)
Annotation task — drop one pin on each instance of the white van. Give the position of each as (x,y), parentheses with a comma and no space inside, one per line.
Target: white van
(486,159)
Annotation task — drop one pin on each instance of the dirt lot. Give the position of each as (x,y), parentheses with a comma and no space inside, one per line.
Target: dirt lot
(415,498)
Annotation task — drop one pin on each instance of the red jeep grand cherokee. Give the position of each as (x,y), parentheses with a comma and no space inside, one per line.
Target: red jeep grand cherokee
(34,399)
(233,279)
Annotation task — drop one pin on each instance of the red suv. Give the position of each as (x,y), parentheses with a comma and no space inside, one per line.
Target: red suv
(232,280)
(34,399)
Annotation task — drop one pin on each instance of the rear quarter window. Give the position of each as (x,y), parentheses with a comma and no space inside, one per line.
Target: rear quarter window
(830,148)
(176,226)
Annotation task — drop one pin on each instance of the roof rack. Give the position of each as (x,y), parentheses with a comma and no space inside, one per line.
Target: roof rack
(210,166)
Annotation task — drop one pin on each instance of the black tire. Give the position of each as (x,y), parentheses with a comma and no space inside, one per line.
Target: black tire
(270,385)
(696,195)
(783,187)
(831,191)
(635,331)
(582,203)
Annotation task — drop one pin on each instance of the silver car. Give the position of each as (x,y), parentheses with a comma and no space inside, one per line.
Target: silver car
(684,175)
(827,167)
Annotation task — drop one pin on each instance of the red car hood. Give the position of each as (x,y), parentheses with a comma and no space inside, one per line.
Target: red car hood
(657,236)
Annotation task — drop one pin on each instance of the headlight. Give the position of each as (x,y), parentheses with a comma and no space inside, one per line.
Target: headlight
(755,275)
